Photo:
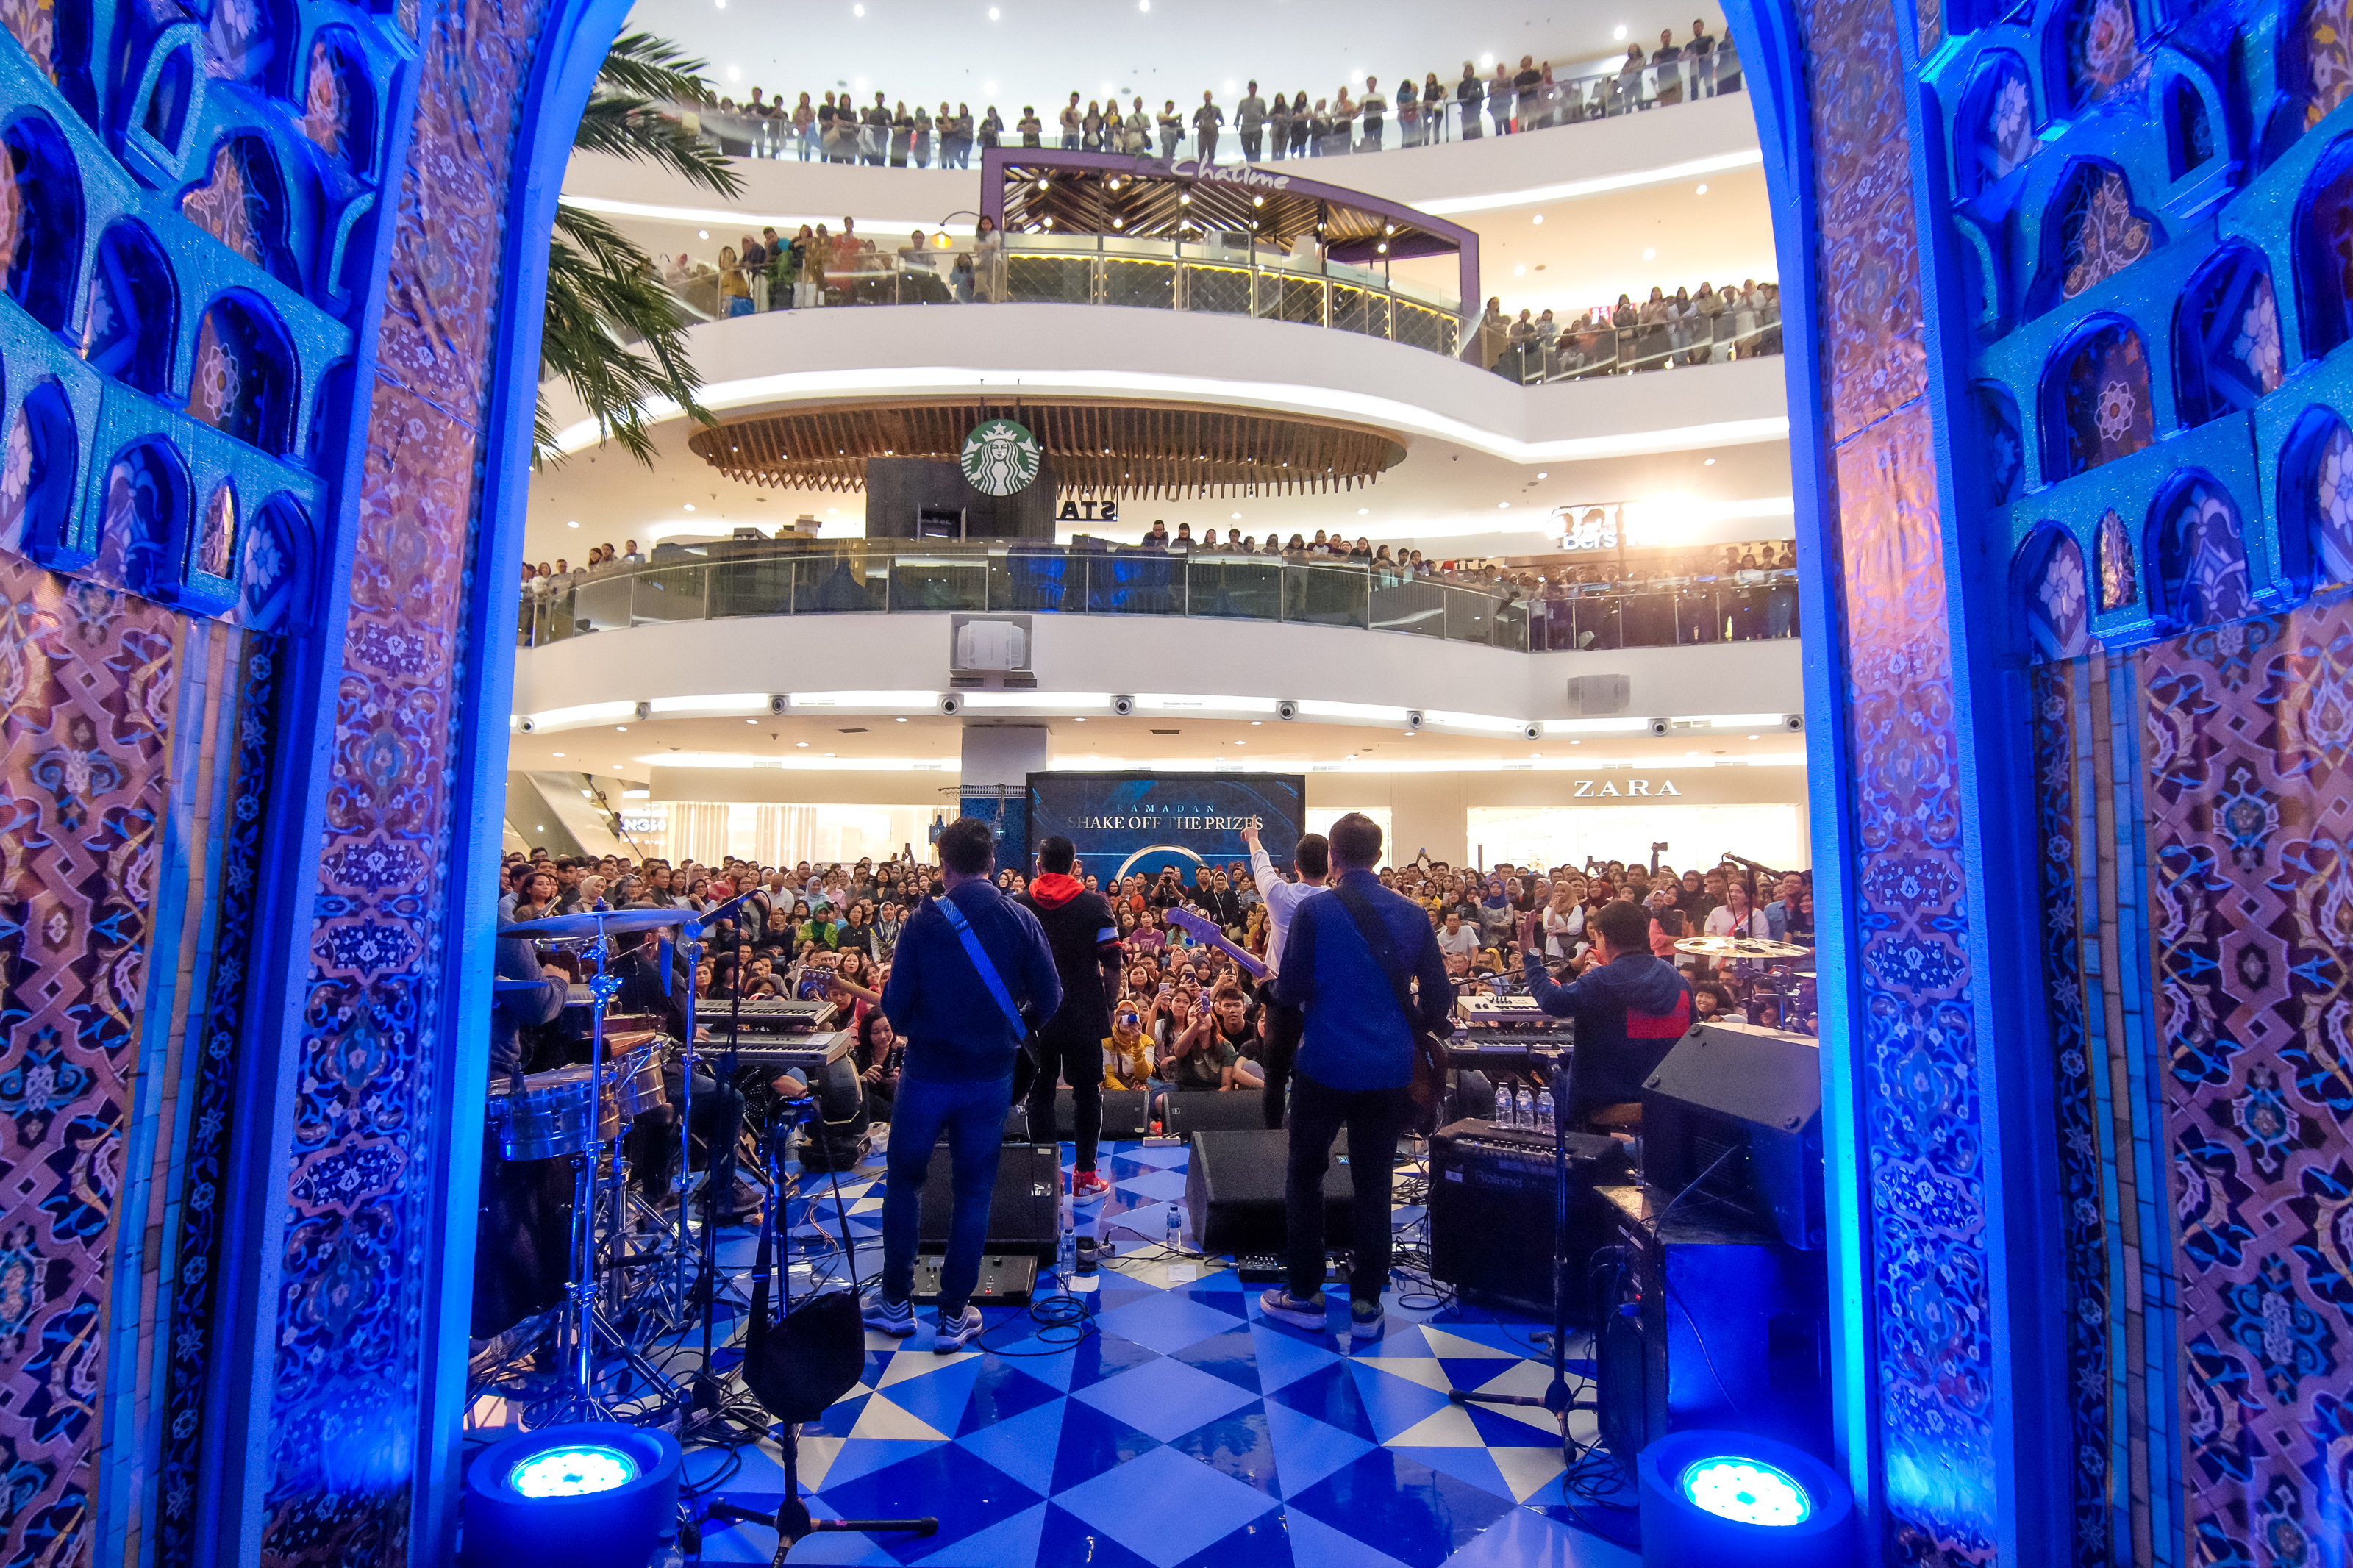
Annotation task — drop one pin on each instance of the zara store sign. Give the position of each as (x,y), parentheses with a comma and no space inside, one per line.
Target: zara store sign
(1614,789)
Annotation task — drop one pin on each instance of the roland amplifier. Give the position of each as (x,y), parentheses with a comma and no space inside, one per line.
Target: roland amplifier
(1491,1213)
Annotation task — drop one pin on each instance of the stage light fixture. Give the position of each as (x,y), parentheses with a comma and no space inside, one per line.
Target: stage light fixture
(1711,1498)
(592,1494)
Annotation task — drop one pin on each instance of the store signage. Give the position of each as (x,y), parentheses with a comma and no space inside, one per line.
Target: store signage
(1089,511)
(1000,457)
(1611,789)
(1248,175)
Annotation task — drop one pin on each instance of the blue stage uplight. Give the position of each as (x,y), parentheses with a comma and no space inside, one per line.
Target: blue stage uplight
(1747,1491)
(1714,1499)
(574,1471)
(591,1494)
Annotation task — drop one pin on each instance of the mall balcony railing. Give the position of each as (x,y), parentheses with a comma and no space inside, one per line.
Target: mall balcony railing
(1602,96)
(1215,274)
(728,579)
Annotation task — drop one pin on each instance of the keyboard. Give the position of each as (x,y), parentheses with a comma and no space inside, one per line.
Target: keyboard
(806,1052)
(1519,1009)
(1584,1148)
(764,1016)
(1512,1045)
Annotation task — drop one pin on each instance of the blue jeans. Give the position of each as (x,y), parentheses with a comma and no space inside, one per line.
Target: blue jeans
(974,1116)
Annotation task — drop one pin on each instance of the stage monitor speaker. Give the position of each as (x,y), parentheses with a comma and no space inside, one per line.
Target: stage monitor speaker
(1730,1328)
(1025,1210)
(1206,1110)
(1732,1118)
(1233,1192)
(1123,1116)
(1491,1216)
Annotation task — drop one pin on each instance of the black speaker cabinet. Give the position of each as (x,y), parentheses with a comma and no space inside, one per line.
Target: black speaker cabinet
(1730,1328)
(1025,1210)
(1733,1120)
(1233,1192)
(1491,1216)
(1123,1116)
(1207,1111)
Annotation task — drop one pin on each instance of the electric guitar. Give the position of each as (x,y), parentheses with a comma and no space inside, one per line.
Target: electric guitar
(1207,930)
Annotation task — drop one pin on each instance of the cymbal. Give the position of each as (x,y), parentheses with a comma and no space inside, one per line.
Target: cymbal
(502,984)
(1740,947)
(586,924)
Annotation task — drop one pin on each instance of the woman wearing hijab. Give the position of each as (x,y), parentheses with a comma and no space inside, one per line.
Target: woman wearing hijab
(1496,915)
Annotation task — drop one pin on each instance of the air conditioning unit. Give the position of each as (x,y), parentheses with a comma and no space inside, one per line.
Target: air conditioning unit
(1598,695)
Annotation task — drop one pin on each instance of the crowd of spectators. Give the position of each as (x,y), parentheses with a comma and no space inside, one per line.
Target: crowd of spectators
(1187,1016)
(1659,333)
(1502,101)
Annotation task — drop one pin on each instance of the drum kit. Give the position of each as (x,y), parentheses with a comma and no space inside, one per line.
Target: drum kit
(579,1113)
(1776,976)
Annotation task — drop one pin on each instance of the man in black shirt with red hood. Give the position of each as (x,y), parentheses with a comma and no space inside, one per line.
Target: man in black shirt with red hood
(1084,936)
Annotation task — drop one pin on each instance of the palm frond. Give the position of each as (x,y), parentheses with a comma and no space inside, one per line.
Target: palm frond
(633,128)
(643,66)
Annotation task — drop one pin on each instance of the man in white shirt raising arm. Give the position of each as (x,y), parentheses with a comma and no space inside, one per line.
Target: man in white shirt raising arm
(1312,858)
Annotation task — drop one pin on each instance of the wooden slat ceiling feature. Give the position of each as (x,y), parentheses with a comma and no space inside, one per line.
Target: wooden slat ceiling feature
(1116,450)
(1155,207)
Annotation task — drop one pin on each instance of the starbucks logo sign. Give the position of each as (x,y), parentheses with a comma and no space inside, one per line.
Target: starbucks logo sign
(1000,457)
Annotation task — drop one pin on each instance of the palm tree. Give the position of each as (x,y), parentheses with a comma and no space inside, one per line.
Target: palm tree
(612,331)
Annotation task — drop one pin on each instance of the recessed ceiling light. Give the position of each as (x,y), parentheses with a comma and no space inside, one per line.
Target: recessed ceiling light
(751,720)
(1651,253)
(1241,742)
(1752,737)
(1539,217)
(702,233)
(689,506)
(1543,475)
(571,525)
(992,13)
(1520,271)
(801,743)
(1364,512)
(555,753)
(1702,191)
(621,728)
(1502,506)
(1255,722)
(1576,743)
(1083,720)
(901,721)
(830,754)
(1707,462)
(1237,516)
(1620,33)
(858,10)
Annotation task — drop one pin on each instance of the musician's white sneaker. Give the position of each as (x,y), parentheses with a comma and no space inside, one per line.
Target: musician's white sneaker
(1285,1308)
(896,1318)
(1365,1321)
(955,1333)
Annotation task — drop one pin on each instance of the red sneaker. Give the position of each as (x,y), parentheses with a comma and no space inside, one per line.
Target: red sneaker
(1089,1184)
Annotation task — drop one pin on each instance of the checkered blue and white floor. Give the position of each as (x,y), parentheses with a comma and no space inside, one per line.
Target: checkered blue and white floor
(1185,1430)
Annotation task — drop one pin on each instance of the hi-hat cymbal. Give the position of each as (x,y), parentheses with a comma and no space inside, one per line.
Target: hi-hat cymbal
(1740,947)
(586,924)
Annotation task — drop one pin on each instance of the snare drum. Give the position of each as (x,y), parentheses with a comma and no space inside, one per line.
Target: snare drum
(549,1116)
(638,1079)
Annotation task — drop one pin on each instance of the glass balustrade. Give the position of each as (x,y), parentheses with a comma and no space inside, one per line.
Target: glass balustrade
(1332,132)
(1216,274)
(728,579)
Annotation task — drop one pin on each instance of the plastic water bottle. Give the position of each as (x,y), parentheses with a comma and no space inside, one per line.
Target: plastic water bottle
(1527,1117)
(1543,1110)
(1175,1231)
(1503,1105)
(1070,1234)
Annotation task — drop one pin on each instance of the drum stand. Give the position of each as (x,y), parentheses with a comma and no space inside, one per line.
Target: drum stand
(582,1325)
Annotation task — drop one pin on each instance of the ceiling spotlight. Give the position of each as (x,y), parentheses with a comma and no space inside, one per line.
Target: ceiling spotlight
(858,10)
(555,753)
(1144,5)
(803,744)
(1520,271)
(1237,516)
(1115,183)
(1707,462)
(751,720)
(1383,247)
(900,719)
(1539,217)
(1502,506)
(1702,191)
(1544,476)
(1620,33)
(688,506)
(1118,223)
(1185,200)
(1258,201)
(992,13)
(571,525)
(702,233)
(1650,253)
(1364,512)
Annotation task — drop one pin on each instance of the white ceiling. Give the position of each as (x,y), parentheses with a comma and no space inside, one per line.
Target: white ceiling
(1036,53)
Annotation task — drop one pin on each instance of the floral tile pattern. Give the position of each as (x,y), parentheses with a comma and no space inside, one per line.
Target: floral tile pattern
(85,692)
(2251,886)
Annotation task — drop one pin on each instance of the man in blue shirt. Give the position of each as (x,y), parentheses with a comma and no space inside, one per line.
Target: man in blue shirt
(1355,1067)
(1632,1007)
(970,967)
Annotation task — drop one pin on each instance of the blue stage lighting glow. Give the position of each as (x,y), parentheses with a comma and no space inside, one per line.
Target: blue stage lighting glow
(1747,1491)
(575,1471)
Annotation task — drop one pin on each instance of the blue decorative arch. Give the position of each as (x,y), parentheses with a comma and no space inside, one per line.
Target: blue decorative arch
(2005,445)
(146,508)
(2324,249)
(36,481)
(131,315)
(2227,353)
(245,374)
(40,219)
(2197,555)
(2096,400)
(2049,587)
(2315,505)
(1997,122)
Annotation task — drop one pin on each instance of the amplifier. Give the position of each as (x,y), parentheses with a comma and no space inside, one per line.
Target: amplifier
(1123,1116)
(1206,1110)
(1728,1327)
(1025,1212)
(1007,1278)
(1492,1192)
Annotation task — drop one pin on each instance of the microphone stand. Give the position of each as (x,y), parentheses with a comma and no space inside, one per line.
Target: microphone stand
(706,1391)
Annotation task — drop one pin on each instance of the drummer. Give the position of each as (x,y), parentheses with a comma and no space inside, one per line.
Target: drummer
(1631,1007)
(536,999)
